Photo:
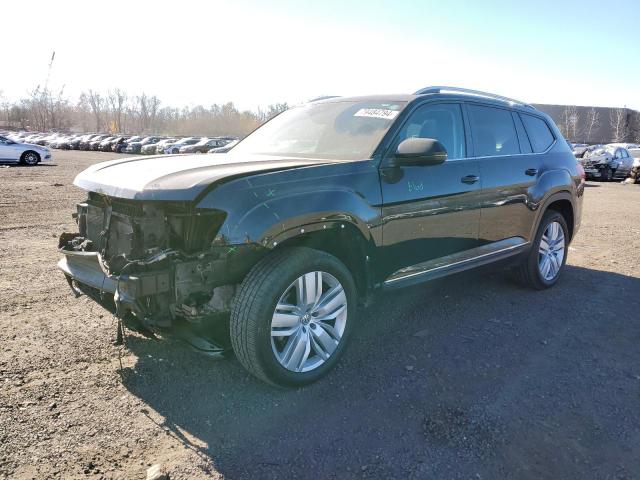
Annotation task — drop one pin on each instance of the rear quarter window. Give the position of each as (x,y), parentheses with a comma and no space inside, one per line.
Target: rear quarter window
(538,131)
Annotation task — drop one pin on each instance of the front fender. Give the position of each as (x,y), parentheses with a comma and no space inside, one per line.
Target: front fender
(267,209)
(275,220)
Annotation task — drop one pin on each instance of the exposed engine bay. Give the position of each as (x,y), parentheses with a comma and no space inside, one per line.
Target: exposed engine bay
(161,260)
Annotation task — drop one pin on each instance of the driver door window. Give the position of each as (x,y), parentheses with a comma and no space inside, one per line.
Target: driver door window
(442,122)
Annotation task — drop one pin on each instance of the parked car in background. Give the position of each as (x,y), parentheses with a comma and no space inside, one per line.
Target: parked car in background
(117,144)
(121,146)
(606,162)
(204,145)
(24,153)
(61,143)
(318,209)
(174,147)
(624,145)
(87,140)
(635,169)
(156,148)
(104,144)
(45,139)
(94,144)
(578,149)
(135,146)
(225,148)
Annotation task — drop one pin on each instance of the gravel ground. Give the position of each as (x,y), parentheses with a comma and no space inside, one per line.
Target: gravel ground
(466,377)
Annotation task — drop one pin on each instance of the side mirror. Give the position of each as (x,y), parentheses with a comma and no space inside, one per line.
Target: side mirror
(420,151)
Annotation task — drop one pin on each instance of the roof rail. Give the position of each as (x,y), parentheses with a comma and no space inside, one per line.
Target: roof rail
(325,97)
(467,91)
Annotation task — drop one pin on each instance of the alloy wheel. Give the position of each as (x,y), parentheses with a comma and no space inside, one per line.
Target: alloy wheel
(31,159)
(551,251)
(309,321)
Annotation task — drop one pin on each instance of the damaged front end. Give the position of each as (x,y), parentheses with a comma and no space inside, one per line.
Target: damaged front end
(160,262)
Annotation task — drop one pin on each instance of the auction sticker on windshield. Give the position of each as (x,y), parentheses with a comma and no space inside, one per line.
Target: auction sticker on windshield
(377,113)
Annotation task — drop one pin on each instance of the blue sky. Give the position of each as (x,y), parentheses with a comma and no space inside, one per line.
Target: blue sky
(255,53)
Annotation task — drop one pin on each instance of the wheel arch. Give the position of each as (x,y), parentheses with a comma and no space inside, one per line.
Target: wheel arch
(342,240)
(562,203)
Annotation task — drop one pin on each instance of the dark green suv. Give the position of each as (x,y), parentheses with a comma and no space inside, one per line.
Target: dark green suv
(283,237)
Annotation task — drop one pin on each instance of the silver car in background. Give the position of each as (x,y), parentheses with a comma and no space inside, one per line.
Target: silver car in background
(23,153)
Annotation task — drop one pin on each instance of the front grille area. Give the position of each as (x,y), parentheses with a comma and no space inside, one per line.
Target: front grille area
(134,227)
(129,209)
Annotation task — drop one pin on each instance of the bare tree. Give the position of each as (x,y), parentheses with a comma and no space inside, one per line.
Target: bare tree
(116,100)
(570,122)
(574,122)
(617,121)
(97,103)
(593,123)
(636,127)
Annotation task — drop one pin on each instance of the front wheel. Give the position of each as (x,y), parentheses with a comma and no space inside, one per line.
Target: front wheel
(606,174)
(30,158)
(293,315)
(543,264)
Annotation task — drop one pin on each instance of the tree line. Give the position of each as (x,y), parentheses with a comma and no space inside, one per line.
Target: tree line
(116,111)
(622,124)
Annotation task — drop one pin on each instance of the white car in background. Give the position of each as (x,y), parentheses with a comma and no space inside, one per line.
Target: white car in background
(24,153)
(635,153)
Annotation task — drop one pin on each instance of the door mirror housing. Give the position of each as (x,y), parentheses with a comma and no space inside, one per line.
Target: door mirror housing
(420,151)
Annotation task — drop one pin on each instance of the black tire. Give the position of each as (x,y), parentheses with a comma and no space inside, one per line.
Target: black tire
(606,175)
(30,158)
(255,303)
(528,272)
(175,151)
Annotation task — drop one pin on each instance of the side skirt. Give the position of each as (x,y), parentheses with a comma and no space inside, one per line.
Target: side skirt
(455,263)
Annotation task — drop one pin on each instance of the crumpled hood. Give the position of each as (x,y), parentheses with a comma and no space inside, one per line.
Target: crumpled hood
(177,177)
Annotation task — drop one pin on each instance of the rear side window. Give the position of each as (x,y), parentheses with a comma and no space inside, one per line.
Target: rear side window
(538,131)
(493,131)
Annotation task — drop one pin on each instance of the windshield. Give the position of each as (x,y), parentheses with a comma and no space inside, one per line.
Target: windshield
(337,130)
(635,153)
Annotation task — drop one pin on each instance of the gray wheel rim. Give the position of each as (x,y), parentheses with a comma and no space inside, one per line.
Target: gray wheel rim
(551,252)
(31,159)
(309,321)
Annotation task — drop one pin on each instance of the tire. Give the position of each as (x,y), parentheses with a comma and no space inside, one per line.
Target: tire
(175,151)
(270,283)
(606,175)
(30,158)
(531,271)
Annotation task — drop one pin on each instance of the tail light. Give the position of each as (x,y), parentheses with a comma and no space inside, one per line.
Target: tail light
(583,175)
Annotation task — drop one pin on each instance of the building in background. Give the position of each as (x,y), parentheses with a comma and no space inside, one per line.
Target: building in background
(595,124)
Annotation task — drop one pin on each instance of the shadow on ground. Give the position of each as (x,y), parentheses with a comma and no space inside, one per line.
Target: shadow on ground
(467,377)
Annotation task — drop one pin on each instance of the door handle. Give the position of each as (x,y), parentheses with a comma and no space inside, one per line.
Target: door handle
(470,179)
(532,172)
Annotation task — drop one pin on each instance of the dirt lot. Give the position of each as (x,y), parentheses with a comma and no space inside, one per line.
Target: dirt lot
(468,377)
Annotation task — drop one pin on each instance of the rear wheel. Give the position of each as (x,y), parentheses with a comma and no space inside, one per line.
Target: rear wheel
(541,267)
(30,158)
(292,316)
